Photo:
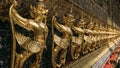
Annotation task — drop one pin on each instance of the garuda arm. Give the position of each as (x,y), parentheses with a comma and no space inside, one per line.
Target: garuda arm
(23,22)
(61,27)
(77,29)
(56,24)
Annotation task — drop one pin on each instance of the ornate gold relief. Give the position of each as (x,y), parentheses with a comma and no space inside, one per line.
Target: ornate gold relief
(90,35)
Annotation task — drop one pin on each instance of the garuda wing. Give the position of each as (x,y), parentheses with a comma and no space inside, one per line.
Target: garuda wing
(29,43)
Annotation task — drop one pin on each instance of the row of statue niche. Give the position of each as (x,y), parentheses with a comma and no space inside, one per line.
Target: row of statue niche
(86,40)
(89,38)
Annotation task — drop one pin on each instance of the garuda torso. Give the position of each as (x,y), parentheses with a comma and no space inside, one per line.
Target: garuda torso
(63,41)
(39,29)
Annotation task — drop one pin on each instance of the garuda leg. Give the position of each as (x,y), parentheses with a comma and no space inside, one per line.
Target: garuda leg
(36,63)
(21,58)
(75,51)
(58,60)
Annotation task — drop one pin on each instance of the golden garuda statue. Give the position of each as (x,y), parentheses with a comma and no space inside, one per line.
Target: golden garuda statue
(77,40)
(87,36)
(32,45)
(62,43)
